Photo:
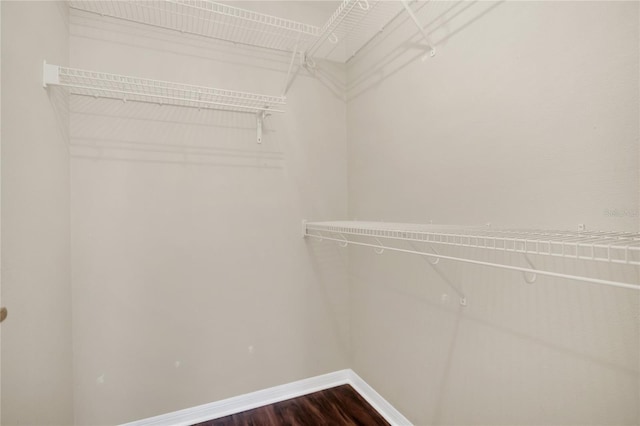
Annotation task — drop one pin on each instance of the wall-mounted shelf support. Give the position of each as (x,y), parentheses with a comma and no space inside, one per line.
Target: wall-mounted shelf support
(50,75)
(259,122)
(432,50)
(344,242)
(529,278)
(621,248)
(328,30)
(303,61)
(432,263)
(380,248)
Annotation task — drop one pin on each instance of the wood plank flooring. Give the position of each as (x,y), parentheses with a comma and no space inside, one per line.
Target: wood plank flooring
(337,406)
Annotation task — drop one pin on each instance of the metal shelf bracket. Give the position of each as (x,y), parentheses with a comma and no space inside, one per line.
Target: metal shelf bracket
(531,278)
(260,116)
(432,49)
(379,250)
(50,74)
(344,241)
(433,261)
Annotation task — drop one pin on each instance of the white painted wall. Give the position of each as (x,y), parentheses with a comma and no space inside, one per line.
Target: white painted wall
(36,337)
(527,117)
(191,279)
(189,282)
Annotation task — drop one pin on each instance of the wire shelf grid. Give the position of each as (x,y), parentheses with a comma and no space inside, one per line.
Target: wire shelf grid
(352,26)
(613,247)
(99,84)
(209,19)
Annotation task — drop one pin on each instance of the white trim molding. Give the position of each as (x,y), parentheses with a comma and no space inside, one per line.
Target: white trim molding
(376,400)
(237,404)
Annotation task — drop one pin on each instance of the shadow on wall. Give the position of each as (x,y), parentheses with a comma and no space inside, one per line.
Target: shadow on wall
(439,352)
(401,43)
(59,101)
(328,74)
(225,138)
(109,129)
(330,264)
(151,40)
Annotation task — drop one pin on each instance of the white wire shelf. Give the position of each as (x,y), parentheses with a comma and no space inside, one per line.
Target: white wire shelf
(127,88)
(209,19)
(352,26)
(610,247)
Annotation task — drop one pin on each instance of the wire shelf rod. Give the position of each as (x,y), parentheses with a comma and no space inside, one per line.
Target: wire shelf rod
(490,264)
(147,84)
(624,248)
(464,239)
(197,103)
(479,233)
(98,84)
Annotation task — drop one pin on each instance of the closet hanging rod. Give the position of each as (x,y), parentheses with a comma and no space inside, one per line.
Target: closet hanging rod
(127,88)
(490,264)
(613,247)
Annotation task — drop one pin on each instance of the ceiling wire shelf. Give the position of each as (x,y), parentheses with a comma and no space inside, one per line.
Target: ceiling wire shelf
(597,246)
(127,88)
(352,26)
(209,19)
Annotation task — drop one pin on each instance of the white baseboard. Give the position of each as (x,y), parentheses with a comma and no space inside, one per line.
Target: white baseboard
(237,404)
(376,400)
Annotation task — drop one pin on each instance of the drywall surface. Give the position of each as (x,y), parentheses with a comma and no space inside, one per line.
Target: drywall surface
(526,117)
(191,279)
(36,336)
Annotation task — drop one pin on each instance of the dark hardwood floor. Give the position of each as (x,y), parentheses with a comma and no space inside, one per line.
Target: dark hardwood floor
(337,406)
